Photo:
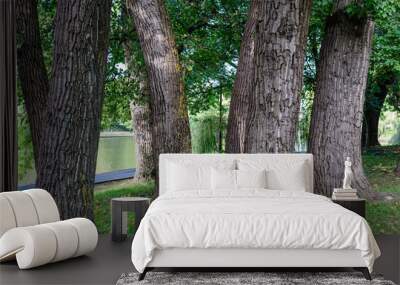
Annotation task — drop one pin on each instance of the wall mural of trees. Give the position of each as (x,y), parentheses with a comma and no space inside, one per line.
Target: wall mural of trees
(66,117)
(213,76)
(336,120)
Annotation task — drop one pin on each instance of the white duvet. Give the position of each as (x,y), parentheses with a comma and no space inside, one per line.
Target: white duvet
(250,219)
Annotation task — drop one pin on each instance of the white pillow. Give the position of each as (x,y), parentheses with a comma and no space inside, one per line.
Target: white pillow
(282,173)
(251,178)
(223,179)
(293,179)
(183,177)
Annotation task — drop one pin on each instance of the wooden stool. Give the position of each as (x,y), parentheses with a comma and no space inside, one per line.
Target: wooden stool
(119,215)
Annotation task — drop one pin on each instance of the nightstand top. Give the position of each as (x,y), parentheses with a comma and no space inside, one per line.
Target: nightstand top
(349,200)
(130,199)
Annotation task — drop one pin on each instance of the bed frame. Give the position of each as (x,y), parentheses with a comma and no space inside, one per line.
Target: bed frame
(243,259)
(250,258)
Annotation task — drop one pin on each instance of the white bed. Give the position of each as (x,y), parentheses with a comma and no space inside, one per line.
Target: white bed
(228,226)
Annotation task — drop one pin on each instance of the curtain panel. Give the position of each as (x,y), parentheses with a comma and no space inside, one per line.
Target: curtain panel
(8,99)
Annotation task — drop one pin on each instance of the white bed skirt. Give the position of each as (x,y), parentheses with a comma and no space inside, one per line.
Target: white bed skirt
(190,257)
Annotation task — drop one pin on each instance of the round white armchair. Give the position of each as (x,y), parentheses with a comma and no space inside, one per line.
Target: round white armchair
(31,230)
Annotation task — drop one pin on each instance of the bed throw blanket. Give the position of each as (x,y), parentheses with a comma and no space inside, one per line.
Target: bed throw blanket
(252,218)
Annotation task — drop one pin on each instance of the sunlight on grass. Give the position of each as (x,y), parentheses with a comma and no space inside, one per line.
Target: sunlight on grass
(379,163)
(384,218)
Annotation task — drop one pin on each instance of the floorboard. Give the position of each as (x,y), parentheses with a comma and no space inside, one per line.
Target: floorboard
(110,260)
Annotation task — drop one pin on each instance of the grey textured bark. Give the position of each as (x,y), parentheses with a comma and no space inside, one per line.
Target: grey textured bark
(31,70)
(141,123)
(336,123)
(171,132)
(69,146)
(397,168)
(243,86)
(274,105)
(141,117)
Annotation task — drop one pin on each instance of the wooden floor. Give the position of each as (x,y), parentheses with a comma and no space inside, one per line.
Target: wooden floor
(110,260)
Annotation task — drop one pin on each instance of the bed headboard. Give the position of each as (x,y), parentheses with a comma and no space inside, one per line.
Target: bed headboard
(213,159)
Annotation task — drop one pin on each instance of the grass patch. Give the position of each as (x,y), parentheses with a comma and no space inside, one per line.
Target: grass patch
(384,218)
(102,200)
(379,163)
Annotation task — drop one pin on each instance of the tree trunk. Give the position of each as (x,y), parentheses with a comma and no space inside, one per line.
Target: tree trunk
(31,70)
(336,122)
(69,148)
(141,123)
(139,106)
(171,132)
(374,106)
(141,117)
(274,106)
(397,168)
(372,123)
(243,86)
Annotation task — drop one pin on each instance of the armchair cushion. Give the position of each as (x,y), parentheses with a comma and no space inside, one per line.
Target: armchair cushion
(31,231)
(37,245)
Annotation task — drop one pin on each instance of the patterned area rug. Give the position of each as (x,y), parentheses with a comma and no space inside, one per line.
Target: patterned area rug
(243,278)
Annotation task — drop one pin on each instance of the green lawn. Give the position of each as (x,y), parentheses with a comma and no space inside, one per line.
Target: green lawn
(384,217)
(379,163)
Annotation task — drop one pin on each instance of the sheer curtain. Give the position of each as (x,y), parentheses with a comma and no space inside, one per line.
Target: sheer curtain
(8,100)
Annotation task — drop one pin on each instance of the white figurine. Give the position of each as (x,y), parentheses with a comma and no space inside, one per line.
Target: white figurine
(348,174)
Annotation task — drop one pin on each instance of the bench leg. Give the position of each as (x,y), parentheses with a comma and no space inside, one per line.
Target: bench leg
(364,271)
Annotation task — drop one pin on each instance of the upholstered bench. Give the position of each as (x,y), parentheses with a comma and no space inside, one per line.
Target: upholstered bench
(31,231)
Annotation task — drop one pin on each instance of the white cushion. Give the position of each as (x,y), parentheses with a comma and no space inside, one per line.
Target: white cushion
(282,174)
(40,244)
(23,208)
(270,161)
(87,233)
(34,244)
(223,179)
(293,179)
(251,178)
(182,177)
(67,240)
(7,218)
(45,205)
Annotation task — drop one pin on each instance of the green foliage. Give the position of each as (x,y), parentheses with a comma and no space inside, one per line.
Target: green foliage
(319,13)
(46,15)
(205,130)
(385,59)
(389,128)
(102,200)
(120,86)
(25,148)
(304,120)
(208,35)
(118,93)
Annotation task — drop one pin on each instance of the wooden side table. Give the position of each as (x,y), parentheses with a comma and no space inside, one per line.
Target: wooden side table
(119,215)
(355,205)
